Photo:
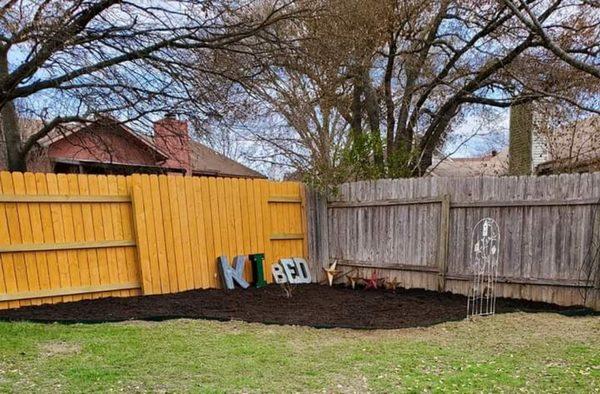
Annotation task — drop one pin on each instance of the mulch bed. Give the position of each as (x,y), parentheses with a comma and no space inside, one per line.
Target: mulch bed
(311,305)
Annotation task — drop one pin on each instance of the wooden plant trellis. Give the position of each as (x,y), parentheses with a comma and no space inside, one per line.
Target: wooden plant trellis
(485,241)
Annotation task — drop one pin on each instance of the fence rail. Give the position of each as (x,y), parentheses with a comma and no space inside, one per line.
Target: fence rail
(418,230)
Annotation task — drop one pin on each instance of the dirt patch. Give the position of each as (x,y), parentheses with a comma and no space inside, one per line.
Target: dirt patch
(312,305)
(50,349)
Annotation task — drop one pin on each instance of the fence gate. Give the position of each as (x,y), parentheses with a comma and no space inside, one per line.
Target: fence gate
(65,238)
(184,223)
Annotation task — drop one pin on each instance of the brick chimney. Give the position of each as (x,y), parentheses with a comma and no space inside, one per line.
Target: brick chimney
(171,136)
(520,139)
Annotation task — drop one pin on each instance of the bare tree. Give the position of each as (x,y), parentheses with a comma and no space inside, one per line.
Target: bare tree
(385,83)
(445,56)
(574,37)
(73,60)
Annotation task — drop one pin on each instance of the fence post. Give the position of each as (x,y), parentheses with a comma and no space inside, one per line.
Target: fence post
(139,229)
(317,237)
(442,255)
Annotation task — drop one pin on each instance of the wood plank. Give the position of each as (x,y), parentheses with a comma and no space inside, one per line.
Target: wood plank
(222,219)
(25,221)
(126,220)
(262,242)
(175,224)
(529,281)
(184,225)
(87,234)
(196,243)
(298,220)
(285,200)
(210,234)
(525,203)
(66,246)
(52,257)
(383,203)
(442,252)
(227,213)
(141,236)
(398,267)
(252,209)
(280,220)
(263,188)
(63,198)
(238,229)
(24,229)
(156,235)
(67,210)
(8,281)
(14,228)
(108,233)
(78,235)
(215,194)
(70,291)
(97,232)
(290,212)
(304,219)
(167,220)
(37,233)
(246,231)
(117,232)
(152,228)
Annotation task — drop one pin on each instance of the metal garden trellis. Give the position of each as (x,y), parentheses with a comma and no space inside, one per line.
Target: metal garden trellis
(485,242)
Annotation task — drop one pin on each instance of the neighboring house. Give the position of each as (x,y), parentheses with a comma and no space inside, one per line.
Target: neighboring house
(491,164)
(108,147)
(573,148)
(576,148)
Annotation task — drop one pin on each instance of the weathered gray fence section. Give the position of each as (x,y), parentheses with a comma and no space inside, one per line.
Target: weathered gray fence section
(419,231)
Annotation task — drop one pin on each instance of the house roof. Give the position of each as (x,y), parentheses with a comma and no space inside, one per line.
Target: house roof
(204,160)
(491,164)
(207,161)
(575,144)
(68,129)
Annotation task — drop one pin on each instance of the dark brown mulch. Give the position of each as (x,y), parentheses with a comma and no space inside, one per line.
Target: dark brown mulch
(311,305)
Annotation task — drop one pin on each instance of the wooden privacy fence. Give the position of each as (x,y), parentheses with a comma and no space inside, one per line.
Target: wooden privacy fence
(73,237)
(419,231)
(183,224)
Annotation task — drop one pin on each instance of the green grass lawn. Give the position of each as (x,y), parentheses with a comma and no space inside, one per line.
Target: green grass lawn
(510,353)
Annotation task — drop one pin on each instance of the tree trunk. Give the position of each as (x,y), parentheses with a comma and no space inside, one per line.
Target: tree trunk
(404,133)
(356,106)
(389,102)
(15,158)
(432,138)
(374,118)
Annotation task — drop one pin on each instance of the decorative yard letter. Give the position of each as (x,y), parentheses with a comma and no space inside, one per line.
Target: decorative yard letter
(278,274)
(258,276)
(228,274)
(293,271)
(485,242)
(302,270)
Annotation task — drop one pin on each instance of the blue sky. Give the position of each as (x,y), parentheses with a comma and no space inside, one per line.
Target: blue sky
(476,135)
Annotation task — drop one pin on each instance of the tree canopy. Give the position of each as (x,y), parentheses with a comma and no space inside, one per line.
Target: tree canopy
(339,89)
(75,60)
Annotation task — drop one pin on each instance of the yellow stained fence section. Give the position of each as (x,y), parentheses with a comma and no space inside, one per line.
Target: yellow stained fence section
(72,237)
(65,238)
(183,224)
